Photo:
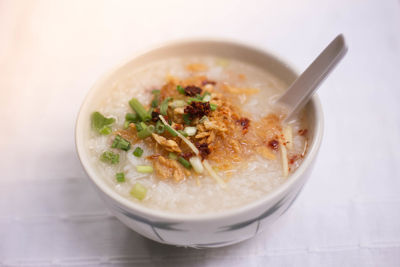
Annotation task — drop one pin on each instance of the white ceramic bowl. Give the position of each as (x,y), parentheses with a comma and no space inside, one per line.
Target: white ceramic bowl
(201,230)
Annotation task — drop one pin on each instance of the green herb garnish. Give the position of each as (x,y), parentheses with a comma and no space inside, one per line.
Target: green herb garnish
(138,152)
(164,106)
(184,162)
(206,93)
(101,123)
(143,125)
(121,143)
(213,106)
(186,119)
(138,127)
(180,89)
(120,177)
(106,130)
(170,130)
(177,103)
(131,117)
(139,191)
(206,97)
(146,131)
(197,98)
(144,168)
(183,133)
(160,127)
(110,157)
(140,110)
(154,102)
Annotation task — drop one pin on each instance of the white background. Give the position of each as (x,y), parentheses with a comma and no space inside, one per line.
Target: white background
(51,52)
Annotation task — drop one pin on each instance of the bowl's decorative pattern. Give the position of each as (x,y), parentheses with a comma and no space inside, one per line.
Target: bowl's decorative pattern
(159,227)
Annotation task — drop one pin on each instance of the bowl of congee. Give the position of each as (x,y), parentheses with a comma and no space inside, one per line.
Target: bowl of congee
(186,145)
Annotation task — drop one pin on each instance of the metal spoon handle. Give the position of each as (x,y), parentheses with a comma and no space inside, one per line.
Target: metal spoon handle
(301,90)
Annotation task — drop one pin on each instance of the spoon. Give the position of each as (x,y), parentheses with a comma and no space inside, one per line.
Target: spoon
(301,90)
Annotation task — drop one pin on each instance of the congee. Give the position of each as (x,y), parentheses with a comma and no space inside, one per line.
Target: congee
(195,135)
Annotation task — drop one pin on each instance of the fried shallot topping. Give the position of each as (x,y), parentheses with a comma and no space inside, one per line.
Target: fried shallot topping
(192,90)
(168,168)
(169,145)
(203,149)
(199,113)
(198,109)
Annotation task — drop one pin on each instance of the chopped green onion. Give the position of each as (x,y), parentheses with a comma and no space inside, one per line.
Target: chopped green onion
(203,119)
(197,98)
(213,106)
(110,157)
(173,156)
(131,117)
(154,103)
(144,168)
(126,124)
(138,127)
(164,106)
(140,110)
(150,111)
(121,143)
(170,130)
(186,119)
(160,127)
(139,191)
(184,162)
(190,131)
(206,94)
(191,99)
(120,177)
(99,123)
(183,133)
(196,164)
(106,130)
(180,89)
(194,99)
(143,125)
(207,98)
(138,152)
(178,103)
(146,132)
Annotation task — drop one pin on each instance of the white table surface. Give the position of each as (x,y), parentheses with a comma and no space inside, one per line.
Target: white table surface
(51,52)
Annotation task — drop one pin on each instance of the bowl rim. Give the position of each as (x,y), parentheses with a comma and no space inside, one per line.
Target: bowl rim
(132,206)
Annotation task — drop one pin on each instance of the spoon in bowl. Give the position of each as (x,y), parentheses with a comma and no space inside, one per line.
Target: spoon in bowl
(301,90)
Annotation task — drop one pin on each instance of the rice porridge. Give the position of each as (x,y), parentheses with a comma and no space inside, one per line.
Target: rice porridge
(195,135)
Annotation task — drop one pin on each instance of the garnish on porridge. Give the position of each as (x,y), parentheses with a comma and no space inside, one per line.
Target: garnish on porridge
(195,128)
